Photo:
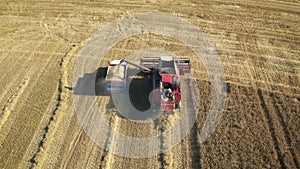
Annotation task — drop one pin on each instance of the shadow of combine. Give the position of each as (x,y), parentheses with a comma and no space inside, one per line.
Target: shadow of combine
(92,84)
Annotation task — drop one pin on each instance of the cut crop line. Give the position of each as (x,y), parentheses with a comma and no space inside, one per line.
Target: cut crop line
(73,147)
(240,65)
(245,34)
(106,160)
(36,135)
(267,45)
(271,128)
(267,35)
(270,6)
(31,85)
(54,112)
(287,58)
(161,155)
(232,43)
(103,157)
(91,156)
(270,123)
(243,78)
(260,4)
(4,50)
(63,80)
(195,149)
(33,52)
(264,32)
(16,41)
(13,67)
(8,107)
(13,81)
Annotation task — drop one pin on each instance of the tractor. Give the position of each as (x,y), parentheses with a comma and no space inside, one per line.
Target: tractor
(163,72)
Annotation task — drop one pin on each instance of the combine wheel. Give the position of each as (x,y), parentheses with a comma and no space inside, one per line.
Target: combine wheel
(100,82)
(178,105)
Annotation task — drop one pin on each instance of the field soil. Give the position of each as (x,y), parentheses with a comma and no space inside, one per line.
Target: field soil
(258,43)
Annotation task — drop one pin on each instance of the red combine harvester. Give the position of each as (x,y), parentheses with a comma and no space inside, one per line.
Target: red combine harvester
(165,72)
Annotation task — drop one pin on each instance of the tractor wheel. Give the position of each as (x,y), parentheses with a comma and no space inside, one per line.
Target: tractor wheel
(100,82)
(178,105)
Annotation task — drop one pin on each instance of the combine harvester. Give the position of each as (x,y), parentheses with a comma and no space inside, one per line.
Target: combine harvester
(164,73)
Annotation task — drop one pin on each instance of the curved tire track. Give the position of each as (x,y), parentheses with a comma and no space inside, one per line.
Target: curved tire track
(194,150)
(286,132)
(271,128)
(54,112)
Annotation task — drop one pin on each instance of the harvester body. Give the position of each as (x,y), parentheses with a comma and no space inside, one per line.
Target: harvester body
(165,72)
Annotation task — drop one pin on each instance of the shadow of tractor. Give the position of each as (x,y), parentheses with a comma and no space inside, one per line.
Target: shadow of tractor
(139,87)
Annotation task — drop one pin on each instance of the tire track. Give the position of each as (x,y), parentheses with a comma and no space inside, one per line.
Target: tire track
(132,129)
(30,88)
(194,147)
(27,69)
(74,155)
(54,112)
(209,11)
(160,126)
(253,48)
(75,138)
(62,120)
(188,154)
(5,49)
(269,82)
(16,77)
(286,132)
(74,145)
(92,157)
(190,148)
(271,128)
(12,67)
(104,156)
(11,102)
(195,154)
(49,108)
(35,138)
